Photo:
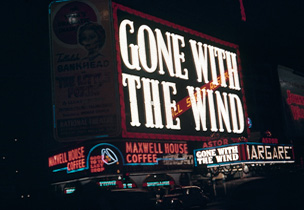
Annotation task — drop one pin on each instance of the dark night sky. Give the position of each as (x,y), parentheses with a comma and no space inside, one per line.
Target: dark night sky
(271,35)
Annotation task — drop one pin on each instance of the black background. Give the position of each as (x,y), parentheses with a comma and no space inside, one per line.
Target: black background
(271,35)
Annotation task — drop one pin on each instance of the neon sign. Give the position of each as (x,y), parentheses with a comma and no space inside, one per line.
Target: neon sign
(176,83)
(107,183)
(128,185)
(102,157)
(74,159)
(151,153)
(69,190)
(158,183)
(108,156)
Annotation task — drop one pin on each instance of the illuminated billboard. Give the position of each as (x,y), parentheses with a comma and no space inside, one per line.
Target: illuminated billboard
(118,72)
(176,83)
(118,157)
(248,152)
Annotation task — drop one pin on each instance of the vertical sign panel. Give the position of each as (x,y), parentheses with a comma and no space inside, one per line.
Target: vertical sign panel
(292,89)
(84,99)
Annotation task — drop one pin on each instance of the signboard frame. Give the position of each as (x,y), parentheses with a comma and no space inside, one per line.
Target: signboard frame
(148,133)
(243,153)
(84,88)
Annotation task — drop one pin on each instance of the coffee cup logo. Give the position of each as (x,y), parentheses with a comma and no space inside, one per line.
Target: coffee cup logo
(108,156)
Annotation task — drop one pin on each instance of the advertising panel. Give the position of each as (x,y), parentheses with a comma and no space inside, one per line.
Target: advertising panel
(292,90)
(248,152)
(176,83)
(119,157)
(83,70)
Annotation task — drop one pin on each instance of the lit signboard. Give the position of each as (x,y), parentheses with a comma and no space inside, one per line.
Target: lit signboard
(176,83)
(157,153)
(101,158)
(114,158)
(69,190)
(243,153)
(84,97)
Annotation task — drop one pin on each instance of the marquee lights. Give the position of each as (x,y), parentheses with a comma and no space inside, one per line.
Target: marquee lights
(161,64)
(267,152)
(107,183)
(248,152)
(222,154)
(158,183)
(69,190)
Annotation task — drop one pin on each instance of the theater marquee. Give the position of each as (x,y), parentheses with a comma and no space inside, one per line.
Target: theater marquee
(249,152)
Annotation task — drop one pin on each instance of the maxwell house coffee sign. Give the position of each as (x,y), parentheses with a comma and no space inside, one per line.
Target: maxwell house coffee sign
(176,83)
(106,158)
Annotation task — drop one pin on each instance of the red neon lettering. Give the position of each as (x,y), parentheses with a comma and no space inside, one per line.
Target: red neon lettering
(185,149)
(76,164)
(76,153)
(128,158)
(128,147)
(135,150)
(58,159)
(185,103)
(174,148)
(297,112)
(151,147)
(96,164)
(146,147)
(270,140)
(134,158)
(166,148)
(294,98)
(159,148)
(140,149)
(154,158)
(141,158)
(215,143)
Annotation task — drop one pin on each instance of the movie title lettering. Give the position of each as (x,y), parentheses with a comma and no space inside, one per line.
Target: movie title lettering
(155,63)
(218,155)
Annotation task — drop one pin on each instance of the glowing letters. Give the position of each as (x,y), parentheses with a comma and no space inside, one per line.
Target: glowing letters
(147,152)
(74,159)
(133,83)
(218,155)
(138,55)
(248,152)
(267,152)
(198,102)
(158,67)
